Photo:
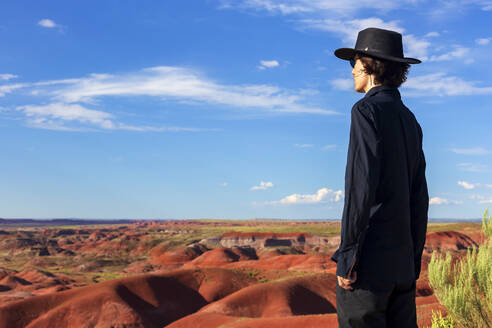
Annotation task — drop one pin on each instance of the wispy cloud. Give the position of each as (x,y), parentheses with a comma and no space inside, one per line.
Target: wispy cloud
(345,18)
(438,84)
(483,41)
(177,83)
(451,7)
(443,201)
(471,151)
(263,186)
(74,117)
(343,84)
(68,98)
(416,47)
(456,53)
(332,16)
(348,29)
(334,7)
(9,88)
(467,185)
(224,184)
(473,167)
(432,34)
(323,195)
(486,201)
(485,5)
(268,64)
(304,145)
(329,147)
(6,77)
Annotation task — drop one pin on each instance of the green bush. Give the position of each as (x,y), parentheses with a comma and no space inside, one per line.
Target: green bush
(438,321)
(465,288)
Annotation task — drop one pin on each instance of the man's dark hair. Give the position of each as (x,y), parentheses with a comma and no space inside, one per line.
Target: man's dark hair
(385,72)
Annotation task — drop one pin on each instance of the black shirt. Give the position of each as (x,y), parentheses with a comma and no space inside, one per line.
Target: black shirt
(384,219)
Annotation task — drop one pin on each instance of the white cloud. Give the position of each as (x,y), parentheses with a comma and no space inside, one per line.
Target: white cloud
(267,5)
(69,112)
(432,34)
(476,196)
(443,201)
(263,186)
(452,7)
(415,47)
(488,185)
(342,84)
(473,167)
(6,77)
(438,201)
(304,145)
(332,16)
(483,41)
(179,84)
(486,201)
(329,147)
(458,52)
(268,64)
(67,98)
(342,17)
(9,88)
(467,185)
(333,7)
(471,151)
(224,184)
(48,23)
(348,29)
(486,5)
(438,84)
(74,117)
(323,195)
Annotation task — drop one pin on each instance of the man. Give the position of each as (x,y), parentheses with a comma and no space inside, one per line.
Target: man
(384,220)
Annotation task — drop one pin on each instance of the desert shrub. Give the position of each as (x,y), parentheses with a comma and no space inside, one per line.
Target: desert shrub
(465,288)
(438,321)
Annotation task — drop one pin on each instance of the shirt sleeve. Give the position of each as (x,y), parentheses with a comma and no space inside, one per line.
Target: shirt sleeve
(419,205)
(361,181)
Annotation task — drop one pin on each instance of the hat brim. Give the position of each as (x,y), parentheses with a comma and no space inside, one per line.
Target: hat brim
(349,53)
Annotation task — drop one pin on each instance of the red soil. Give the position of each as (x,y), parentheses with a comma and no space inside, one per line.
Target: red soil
(151,300)
(264,234)
(448,240)
(177,257)
(218,320)
(294,302)
(311,294)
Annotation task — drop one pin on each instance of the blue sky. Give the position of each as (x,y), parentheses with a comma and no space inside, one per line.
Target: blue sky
(226,109)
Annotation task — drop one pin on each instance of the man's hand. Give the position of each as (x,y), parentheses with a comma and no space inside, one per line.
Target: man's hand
(345,283)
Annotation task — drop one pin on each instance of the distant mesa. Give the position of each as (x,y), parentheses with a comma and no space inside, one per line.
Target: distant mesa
(264,239)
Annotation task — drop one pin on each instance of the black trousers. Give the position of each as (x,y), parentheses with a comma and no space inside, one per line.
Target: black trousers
(377,305)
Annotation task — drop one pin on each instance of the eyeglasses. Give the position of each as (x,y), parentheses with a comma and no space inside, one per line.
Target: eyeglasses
(352,63)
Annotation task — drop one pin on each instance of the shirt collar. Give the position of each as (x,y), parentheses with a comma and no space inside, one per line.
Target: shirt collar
(381,88)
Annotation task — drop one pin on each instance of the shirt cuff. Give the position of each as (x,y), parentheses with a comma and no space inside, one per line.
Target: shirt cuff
(345,260)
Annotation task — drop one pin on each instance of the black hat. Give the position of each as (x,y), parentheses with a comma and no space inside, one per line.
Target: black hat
(379,43)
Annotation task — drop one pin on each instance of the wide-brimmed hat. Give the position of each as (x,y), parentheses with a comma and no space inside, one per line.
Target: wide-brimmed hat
(379,43)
